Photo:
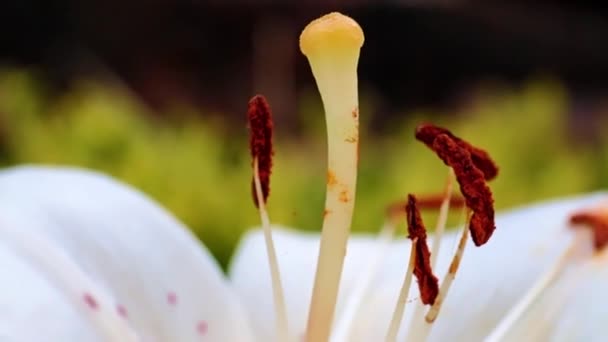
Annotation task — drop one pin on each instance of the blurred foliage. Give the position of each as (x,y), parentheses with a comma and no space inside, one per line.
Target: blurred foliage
(200,169)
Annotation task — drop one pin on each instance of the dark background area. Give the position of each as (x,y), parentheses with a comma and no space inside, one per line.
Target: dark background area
(215,54)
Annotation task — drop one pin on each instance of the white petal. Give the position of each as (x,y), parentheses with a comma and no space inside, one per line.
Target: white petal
(583,315)
(148,263)
(46,287)
(27,318)
(490,280)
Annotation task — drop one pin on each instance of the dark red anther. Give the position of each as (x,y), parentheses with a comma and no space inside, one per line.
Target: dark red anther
(473,187)
(428,284)
(260,125)
(597,220)
(427,133)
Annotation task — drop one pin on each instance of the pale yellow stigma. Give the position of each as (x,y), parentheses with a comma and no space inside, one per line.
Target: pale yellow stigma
(331,31)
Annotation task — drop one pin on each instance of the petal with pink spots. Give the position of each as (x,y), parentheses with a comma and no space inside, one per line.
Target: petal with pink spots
(127,246)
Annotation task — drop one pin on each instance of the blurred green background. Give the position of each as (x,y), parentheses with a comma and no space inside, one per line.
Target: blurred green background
(198,165)
(155,94)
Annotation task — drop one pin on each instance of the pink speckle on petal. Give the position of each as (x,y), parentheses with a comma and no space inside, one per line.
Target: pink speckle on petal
(90,301)
(172,298)
(122,311)
(202,327)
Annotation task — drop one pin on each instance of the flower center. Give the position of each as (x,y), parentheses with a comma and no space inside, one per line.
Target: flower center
(332,44)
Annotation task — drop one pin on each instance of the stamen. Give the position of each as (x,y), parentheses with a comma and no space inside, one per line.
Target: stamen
(332,44)
(477,194)
(419,328)
(427,281)
(260,125)
(597,220)
(428,132)
(431,316)
(420,263)
(393,329)
(344,327)
(443,202)
(259,117)
(471,174)
(530,297)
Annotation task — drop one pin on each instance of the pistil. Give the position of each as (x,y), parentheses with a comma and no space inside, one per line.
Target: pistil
(332,44)
(344,327)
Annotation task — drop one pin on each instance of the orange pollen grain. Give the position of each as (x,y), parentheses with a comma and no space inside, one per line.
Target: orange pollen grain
(331,178)
(351,139)
(343,196)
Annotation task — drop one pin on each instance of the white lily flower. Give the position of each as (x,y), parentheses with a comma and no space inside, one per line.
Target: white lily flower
(88,259)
